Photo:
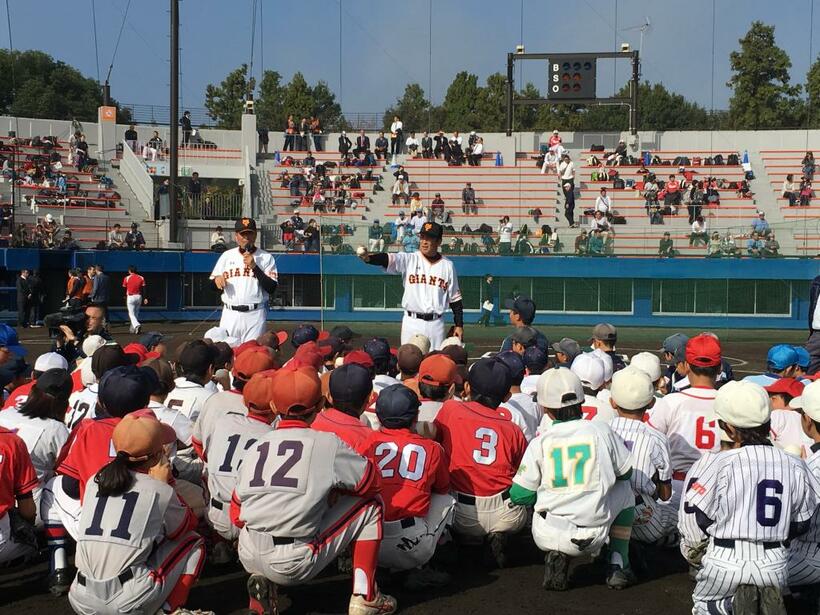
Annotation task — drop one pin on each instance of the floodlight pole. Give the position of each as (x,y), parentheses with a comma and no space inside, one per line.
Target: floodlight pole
(173,170)
(636,77)
(509,118)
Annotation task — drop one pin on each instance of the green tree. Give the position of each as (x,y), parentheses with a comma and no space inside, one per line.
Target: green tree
(298,98)
(491,105)
(525,118)
(46,88)
(763,97)
(414,110)
(460,103)
(326,108)
(270,102)
(813,94)
(226,102)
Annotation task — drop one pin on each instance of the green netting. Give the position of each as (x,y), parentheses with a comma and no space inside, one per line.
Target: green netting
(548,294)
(615,295)
(368,292)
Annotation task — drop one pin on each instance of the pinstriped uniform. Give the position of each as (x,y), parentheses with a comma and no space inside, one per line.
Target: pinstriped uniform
(804,558)
(650,452)
(691,536)
(752,494)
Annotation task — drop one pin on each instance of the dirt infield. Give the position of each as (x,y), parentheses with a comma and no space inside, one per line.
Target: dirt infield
(664,588)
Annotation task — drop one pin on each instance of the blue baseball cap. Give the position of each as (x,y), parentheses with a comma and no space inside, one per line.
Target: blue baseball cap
(490,377)
(304,334)
(803,357)
(781,357)
(127,388)
(535,359)
(397,406)
(514,362)
(378,349)
(351,383)
(8,339)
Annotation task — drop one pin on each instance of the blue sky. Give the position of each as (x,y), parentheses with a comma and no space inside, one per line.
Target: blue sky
(386,42)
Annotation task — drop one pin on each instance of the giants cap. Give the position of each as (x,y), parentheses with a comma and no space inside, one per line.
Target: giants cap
(742,404)
(432,230)
(704,351)
(244,224)
(303,334)
(397,406)
(535,359)
(378,348)
(296,390)
(514,362)
(558,388)
(127,388)
(56,382)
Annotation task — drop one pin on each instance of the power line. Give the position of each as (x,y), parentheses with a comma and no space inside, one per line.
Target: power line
(119,37)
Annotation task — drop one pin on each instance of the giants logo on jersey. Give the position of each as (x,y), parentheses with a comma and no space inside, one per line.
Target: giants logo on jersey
(237,272)
(421,278)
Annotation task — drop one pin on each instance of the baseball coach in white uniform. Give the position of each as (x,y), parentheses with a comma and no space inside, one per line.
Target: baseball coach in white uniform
(430,285)
(247,276)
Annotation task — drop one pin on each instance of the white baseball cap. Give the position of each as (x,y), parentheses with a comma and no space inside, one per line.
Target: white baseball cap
(742,404)
(648,363)
(91,343)
(421,341)
(559,387)
(50,360)
(632,389)
(609,366)
(87,377)
(451,341)
(590,370)
(809,401)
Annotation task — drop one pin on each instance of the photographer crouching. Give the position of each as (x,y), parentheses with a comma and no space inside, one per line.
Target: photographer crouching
(72,324)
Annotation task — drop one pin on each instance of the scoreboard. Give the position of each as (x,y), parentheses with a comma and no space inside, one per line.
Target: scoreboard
(571,77)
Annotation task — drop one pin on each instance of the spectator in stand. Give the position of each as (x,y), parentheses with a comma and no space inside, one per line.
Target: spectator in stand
(616,158)
(728,247)
(550,164)
(609,241)
(417,222)
(808,166)
(396,136)
(316,131)
(152,148)
(134,239)
(218,242)
(771,247)
(712,193)
(131,138)
(554,140)
(603,203)
(598,222)
(699,235)
(672,198)
(754,245)
(21,237)
(400,224)
(566,171)
(595,245)
(410,241)
(381,147)
(440,141)
(67,241)
(400,192)
(416,204)
(437,207)
(362,144)
(290,134)
(195,192)
(303,135)
(582,244)
(23,298)
(476,152)
(760,225)
(375,238)
(344,144)
(694,200)
(412,145)
(426,146)
(185,122)
(309,162)
(312,236)
(569,204)
(505,230)
(468,202)
(6,219)
(456,152)
(666,246)
(116,238)
(715,246)
(806,192)
(50,230)
(402,172)
(789,190)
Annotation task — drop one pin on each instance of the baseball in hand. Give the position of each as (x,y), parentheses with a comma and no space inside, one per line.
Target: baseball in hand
(361,251)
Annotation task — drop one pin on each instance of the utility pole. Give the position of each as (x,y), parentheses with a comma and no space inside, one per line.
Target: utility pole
(173,171)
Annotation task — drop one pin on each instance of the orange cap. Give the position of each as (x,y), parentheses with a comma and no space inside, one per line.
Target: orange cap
(438,370)
(252,361)
(296,390)
(258,392)
(141,435)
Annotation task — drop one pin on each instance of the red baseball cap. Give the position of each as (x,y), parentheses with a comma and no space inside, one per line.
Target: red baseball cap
(258,392)
(296,390)
(438,370)
(252,361)
(310,354)
(789,386)
(137,349)
(245,346)
(359,357)
(273,339)
(703,351)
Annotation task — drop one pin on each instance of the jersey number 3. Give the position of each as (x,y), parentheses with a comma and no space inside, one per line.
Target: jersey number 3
(485,453)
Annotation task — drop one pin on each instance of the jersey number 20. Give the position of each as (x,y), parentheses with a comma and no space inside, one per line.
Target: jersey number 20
(411,465)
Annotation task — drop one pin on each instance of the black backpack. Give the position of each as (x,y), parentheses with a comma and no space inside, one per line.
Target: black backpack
(596,148)
(718,159)
(618,183)
(733,159)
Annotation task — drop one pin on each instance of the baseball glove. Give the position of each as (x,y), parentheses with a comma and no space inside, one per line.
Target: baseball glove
(22,531)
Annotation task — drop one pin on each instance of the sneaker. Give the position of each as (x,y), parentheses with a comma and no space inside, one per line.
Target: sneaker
(222,554)
(60,581)
(620,578)
(426,578)
(496,549)
(380,605)
(263,591)
(556,571)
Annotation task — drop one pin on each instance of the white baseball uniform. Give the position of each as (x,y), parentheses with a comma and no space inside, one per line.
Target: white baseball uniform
(692,537)
(804,558)
(216,406)
(751,495)
(593,409)
(574,468)
(134,284)
(654,519)
(525,413)
(243,292)
(82,405)
(188,398)
(788,431)
(429,288)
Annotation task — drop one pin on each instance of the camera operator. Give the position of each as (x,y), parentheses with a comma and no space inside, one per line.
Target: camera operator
(70,327)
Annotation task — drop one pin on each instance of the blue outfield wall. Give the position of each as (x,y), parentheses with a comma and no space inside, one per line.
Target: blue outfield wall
(643,271)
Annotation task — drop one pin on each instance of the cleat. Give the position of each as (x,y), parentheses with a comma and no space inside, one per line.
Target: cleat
(382,604)
(60,581)
(620,578)
(263,591)
(556,571)
(496,550)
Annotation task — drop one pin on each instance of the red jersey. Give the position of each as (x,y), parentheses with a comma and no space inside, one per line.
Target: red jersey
(484,446)
(133,284)
(19,396)
(77,380)
(17,475)
(88,449)
(412,467)
(350,430)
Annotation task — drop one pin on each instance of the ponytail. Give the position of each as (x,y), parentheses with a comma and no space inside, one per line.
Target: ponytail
(115,478)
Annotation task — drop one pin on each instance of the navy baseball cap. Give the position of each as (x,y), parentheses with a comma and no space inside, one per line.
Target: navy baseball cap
(350,383)
(523,306)
(378,348)
(782,356)
(331,346)
(514,362)
(344,333)
(535,359)
(8,339)
(56,382)
(152,338)
(127,388)
(675,345)
(303,334)
(397,406)
(14,367)
(490,377)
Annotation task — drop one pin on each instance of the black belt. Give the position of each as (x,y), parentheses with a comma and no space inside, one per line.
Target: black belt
(244,308)
(408,522)
(427,317)
(217,504)
(277,542)
(729,543)
(470,499)
(123,577)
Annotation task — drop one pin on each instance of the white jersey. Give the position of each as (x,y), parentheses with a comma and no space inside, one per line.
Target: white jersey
(428,411)
(82,405)
(44,439)
(754,493)
(573,467)
(530,383)
(689,422)
(241,286)
(787,430)
(187,397)
(593,409)
(182,425)
(429,287)
(525,413)
(382,381)
(216,406)
(650,453)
